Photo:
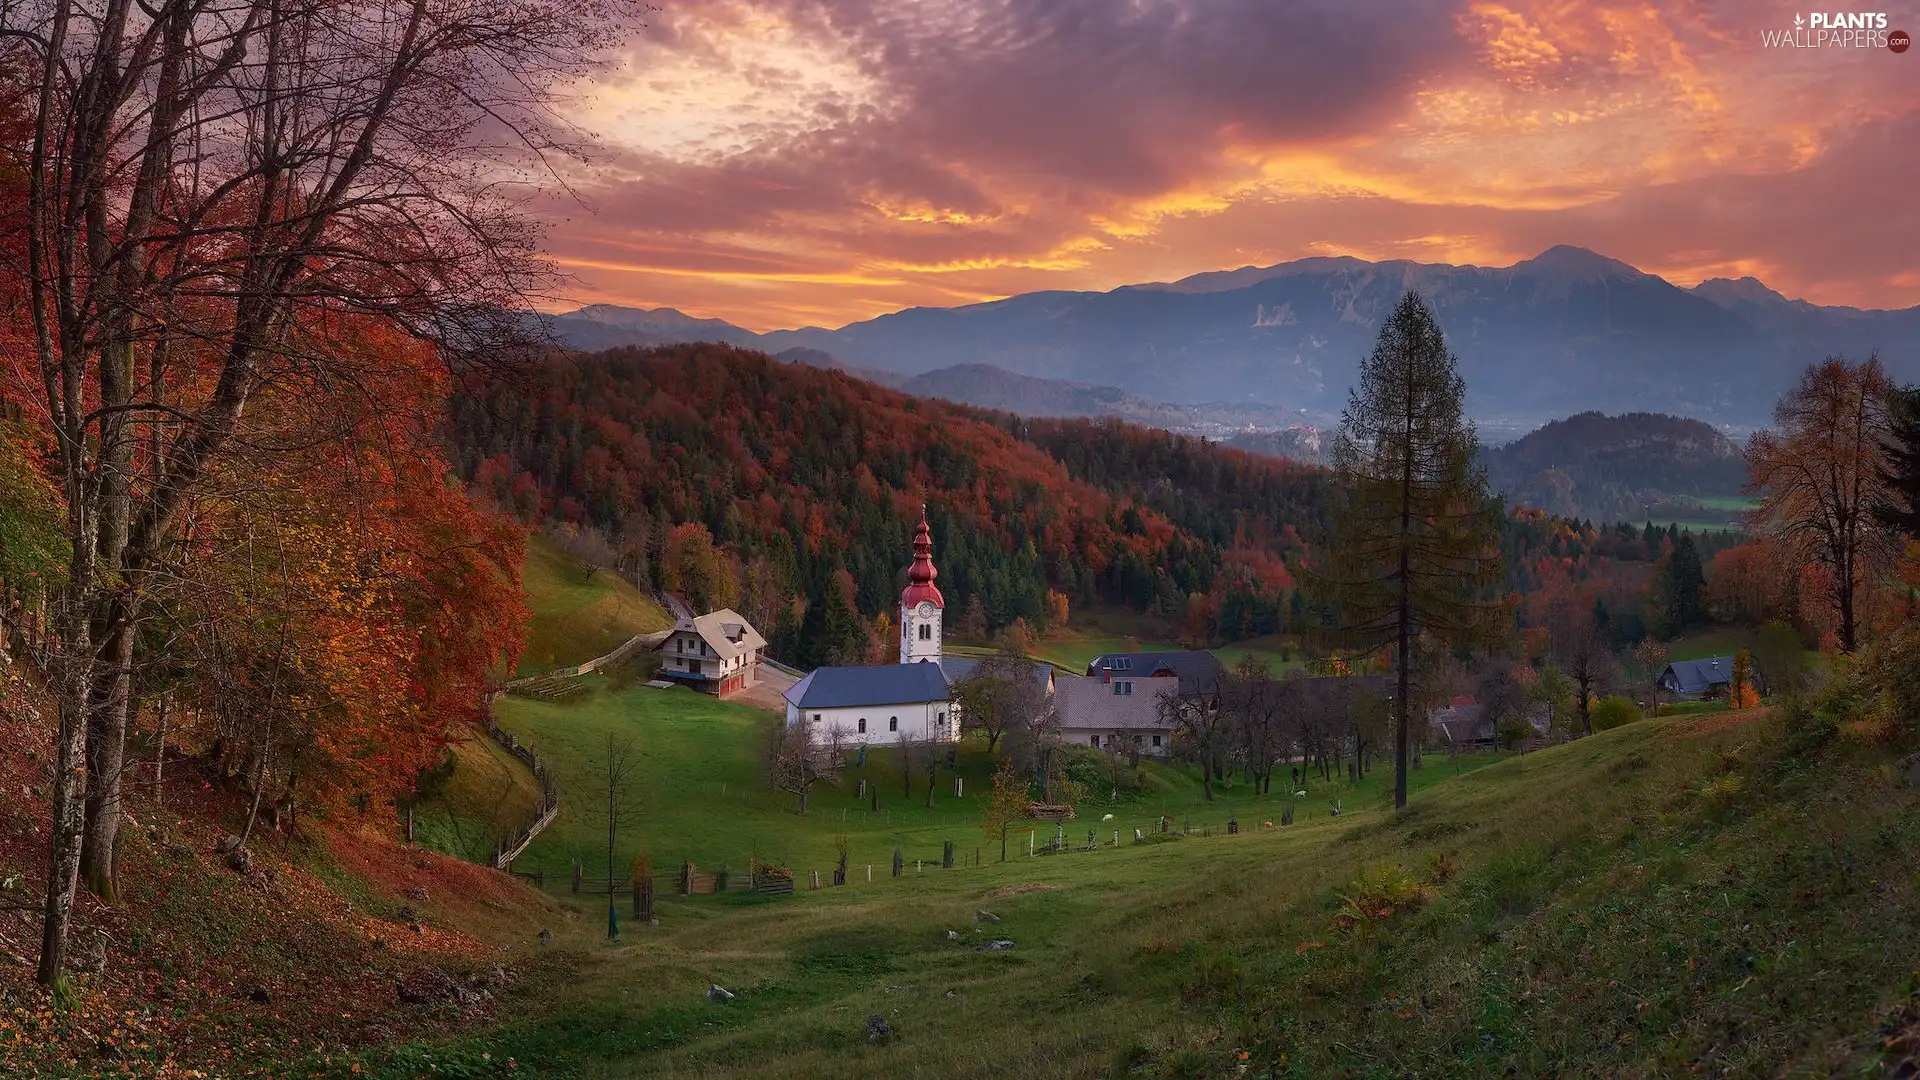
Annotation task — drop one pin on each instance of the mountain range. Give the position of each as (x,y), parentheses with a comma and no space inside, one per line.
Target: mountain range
(1566,331)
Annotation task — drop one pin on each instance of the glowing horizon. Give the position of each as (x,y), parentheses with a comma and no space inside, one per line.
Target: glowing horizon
(783,163)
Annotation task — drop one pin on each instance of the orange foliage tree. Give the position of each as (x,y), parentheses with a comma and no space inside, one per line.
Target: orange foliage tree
(1818,478)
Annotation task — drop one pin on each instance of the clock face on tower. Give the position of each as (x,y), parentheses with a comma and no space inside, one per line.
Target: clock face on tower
(925,610)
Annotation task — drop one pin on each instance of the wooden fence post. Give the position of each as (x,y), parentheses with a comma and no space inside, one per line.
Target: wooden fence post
(576,875)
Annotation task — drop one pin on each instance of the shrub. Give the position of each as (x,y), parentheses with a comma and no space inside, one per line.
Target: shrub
(1612,712)
(1377,891)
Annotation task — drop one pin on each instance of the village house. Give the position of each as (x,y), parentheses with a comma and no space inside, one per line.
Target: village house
(1465,725)
(1119,716)
(1697,680)
(717,653)
(1199,673)
(879,705)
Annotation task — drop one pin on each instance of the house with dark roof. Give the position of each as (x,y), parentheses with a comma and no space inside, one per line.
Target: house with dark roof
(1198,671)
(717,653)
(1693,680)
(1120,716)
(1465,725)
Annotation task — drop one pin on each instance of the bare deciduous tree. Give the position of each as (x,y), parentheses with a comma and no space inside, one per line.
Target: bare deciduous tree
(617,807)
(1201,730)
(1581,652)
(798,756)
(214,190)
(1254,705)
(999,694)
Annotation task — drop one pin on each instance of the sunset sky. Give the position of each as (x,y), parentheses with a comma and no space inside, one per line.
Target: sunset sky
(796,162)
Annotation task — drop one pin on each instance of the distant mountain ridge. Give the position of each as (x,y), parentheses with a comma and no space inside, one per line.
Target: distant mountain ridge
(1564,331)
(1631,467)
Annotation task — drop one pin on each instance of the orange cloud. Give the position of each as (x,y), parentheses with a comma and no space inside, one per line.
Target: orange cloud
(830,160)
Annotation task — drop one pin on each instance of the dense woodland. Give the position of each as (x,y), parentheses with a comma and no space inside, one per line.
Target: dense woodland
(789,491)
(808,481)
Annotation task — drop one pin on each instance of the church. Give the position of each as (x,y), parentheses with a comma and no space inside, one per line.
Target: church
(912,700)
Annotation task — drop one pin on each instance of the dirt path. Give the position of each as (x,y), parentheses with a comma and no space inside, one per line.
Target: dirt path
(765,694)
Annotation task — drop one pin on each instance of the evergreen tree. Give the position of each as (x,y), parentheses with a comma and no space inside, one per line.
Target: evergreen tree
(1900,467)
(1415,535)
(1689,582)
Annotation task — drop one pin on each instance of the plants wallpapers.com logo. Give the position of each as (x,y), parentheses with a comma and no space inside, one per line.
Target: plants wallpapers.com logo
(1838,30)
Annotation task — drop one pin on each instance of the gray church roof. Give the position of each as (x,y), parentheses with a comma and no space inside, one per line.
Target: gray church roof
(880,684)
(959,667)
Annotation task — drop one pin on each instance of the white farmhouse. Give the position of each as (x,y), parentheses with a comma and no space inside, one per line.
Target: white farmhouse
(717,653)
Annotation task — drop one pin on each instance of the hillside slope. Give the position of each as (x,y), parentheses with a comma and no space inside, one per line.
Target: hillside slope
(802,475)
(1616,468)
(1694,896)
(578,612)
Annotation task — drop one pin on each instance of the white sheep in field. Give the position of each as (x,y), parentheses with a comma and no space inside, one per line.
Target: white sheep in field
(1108,817)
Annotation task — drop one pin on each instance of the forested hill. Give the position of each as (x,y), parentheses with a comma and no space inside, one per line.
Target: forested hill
(1614,468)
(790,492)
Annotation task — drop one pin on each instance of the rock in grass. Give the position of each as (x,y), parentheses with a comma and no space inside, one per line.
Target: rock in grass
(259,995)
(878,1030)
(984,915)
(718,994)
(953,935)
(997,943)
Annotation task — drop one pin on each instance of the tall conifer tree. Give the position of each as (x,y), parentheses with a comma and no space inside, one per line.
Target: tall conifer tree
(1900,464)
(1415,547)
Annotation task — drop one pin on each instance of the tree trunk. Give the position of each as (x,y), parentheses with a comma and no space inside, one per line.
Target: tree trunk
(160,752)
(69,821)
(106,754)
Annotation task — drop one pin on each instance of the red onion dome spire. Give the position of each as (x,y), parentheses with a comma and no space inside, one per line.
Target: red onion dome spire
(921,574)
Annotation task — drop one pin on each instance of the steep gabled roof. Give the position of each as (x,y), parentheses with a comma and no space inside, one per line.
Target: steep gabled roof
(1199,671)
(1699,676)
(881,684)
(724,631)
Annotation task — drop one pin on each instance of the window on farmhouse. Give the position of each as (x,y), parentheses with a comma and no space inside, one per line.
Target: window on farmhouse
(863,724)
(893,723)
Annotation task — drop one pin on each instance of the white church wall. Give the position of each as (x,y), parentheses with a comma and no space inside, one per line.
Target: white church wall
(884,724)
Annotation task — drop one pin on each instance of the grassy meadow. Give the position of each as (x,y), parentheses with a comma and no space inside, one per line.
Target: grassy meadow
(702,795)
(578,612)
(1687,895)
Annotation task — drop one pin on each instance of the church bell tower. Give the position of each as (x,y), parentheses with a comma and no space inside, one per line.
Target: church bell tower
(921,605)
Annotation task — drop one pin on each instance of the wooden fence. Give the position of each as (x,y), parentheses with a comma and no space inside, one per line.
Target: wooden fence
(508,847)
